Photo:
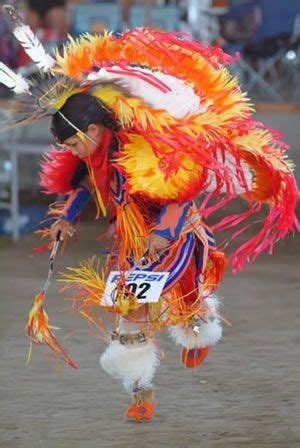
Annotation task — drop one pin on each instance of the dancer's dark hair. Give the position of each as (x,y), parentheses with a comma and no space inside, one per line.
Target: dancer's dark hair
(81,110)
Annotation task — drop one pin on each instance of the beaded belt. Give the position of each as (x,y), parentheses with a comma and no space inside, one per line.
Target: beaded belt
(129,338)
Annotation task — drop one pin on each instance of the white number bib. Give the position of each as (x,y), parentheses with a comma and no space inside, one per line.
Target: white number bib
(145,285)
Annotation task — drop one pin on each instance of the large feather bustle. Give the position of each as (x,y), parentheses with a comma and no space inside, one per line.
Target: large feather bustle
(12,80)
(194,63)
(210,151)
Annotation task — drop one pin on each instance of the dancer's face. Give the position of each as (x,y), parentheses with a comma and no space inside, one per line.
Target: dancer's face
(85,145)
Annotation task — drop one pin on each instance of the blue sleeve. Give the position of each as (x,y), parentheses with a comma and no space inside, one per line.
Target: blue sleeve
(76,202)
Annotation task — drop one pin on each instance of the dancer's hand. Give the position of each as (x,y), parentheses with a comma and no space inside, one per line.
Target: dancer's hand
(62,226)
(156,244)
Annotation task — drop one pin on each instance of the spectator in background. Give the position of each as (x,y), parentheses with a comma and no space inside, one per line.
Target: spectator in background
(202,20)
(7,52)
(7,46)
(48,14)
(240,23)
(125,9)
(48,19)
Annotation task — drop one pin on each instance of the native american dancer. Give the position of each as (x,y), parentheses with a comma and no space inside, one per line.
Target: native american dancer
(147,123)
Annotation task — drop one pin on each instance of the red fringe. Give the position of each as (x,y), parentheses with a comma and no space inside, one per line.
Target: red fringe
(57,170)
(147,36)
(280,220)
(188,284)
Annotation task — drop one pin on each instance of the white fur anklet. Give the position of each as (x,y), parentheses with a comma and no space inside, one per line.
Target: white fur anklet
(133,364)
(208,333)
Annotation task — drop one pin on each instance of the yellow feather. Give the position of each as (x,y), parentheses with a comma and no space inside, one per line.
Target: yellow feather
(63,98)
(149,177)
(108,94)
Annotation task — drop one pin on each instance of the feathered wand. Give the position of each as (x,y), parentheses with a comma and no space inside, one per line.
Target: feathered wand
(37,328)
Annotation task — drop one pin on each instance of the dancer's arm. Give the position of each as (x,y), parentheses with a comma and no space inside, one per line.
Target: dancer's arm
(77,200)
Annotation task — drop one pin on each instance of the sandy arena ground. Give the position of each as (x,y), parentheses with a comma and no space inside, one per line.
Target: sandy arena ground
(245,395)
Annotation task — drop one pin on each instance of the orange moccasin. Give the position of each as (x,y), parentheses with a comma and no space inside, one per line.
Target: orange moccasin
(194,357)
(140,412)
(142,408)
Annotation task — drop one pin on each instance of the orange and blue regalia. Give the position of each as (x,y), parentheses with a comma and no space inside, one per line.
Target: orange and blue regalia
(184,145)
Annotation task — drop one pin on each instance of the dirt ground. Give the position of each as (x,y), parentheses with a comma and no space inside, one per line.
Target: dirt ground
(245,395)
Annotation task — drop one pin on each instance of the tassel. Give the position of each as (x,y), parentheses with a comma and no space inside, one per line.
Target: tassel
(40,332)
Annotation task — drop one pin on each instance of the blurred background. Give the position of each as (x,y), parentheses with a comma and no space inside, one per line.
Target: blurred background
(266,34)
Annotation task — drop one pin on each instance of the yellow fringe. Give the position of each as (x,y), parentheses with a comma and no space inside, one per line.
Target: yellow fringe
(87,279)
(90,284)
(99,201)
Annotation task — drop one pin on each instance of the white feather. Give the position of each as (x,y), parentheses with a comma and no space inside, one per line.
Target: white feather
(179,100)
(13,81)
(33,47)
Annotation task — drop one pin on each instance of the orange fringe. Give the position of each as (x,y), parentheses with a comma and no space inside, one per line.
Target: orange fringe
(214,271)
(132,231)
